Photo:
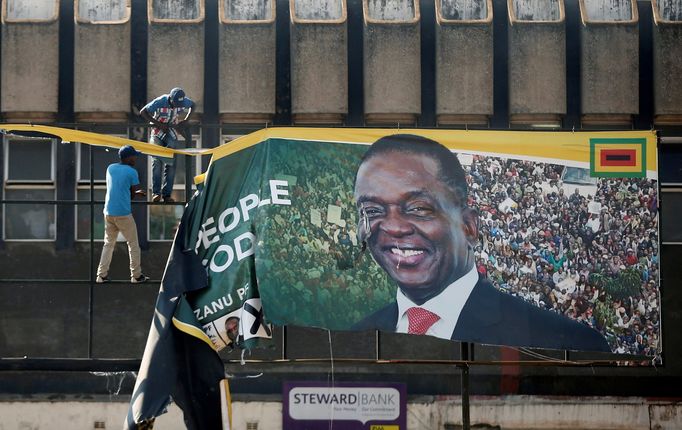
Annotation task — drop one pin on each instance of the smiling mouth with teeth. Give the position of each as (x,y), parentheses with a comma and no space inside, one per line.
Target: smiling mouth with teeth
(406,252)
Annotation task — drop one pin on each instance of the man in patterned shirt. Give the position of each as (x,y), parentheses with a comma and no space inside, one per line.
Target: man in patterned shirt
(164,113)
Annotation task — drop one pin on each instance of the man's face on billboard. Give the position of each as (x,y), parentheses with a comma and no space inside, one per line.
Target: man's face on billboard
(418,233)
(232,328)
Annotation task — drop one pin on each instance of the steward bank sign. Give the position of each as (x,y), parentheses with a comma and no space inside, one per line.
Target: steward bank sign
(349,405)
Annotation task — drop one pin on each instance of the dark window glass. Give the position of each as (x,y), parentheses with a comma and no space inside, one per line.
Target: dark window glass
(102,158)
(671,222)
(670,160)
(29,160)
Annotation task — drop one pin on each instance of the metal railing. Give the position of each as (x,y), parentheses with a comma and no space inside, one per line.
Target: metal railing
(91,203)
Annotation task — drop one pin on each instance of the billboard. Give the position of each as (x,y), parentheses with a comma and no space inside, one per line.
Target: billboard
(527,239)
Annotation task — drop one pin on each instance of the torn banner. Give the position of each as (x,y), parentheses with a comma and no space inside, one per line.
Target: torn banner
(278,220)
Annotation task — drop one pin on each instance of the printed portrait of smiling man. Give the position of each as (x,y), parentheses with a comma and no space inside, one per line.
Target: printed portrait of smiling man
(411,196)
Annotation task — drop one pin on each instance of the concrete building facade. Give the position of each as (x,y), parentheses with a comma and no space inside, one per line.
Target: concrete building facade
(498,64)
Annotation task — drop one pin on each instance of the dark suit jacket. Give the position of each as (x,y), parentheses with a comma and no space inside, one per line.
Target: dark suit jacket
(493,317)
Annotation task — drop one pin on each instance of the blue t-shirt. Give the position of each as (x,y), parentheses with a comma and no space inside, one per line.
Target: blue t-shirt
(120,177)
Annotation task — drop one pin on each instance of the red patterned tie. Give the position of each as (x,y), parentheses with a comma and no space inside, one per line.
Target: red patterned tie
(420,320)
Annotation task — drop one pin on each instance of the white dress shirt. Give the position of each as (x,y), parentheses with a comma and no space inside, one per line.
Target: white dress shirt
(447,305)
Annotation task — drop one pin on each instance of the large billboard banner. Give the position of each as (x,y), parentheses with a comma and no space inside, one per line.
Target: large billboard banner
(528,239)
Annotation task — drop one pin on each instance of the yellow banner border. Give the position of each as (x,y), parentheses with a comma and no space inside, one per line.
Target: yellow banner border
(551,147)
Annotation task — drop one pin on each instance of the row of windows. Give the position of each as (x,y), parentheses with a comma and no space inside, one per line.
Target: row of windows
(30,167)
(30,174)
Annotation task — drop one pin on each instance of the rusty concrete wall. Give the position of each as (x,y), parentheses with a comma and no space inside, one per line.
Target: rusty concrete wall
(391,10)
(175,52)
(464,61)
(176,9)
(80,415)
(30,9)
(102,58)
(328,10)
(669,10)
(609,66)
(248,10)
(423,413)
(247,68)
(392,60)
(665,417)
(530,412)
(537,59)
(667,32)
(30,59)
(464,10)
(537,10)
(319,61)
(102,10)
(608,10)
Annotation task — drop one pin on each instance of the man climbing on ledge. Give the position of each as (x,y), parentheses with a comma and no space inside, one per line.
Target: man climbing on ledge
(164,114)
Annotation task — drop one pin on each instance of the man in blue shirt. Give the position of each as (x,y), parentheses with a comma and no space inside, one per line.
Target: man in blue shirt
(123,184)
(164,114)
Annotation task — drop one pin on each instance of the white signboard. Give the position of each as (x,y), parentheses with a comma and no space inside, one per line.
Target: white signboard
(315,217)
(334,215)
(344,403)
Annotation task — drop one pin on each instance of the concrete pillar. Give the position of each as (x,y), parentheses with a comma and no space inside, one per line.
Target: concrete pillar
(609,62)
(247,70)
(392,61)
(667,34)
(464,62)
(319,61)
(175,50)
(102,60)
(30,60)
(537,62)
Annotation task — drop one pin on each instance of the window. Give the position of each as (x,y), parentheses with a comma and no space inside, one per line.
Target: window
(29,161)
(83,215)
(164,219)
(29,175)
(671,207)
(102,157)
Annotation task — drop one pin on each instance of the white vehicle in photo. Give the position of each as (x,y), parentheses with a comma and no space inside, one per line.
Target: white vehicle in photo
(576,178)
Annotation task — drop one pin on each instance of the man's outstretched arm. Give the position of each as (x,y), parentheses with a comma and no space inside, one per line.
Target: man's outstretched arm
(136,190)
(144,113)
(190,111)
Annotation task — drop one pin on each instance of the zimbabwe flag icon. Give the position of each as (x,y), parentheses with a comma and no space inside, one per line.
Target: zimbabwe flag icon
(618,158)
